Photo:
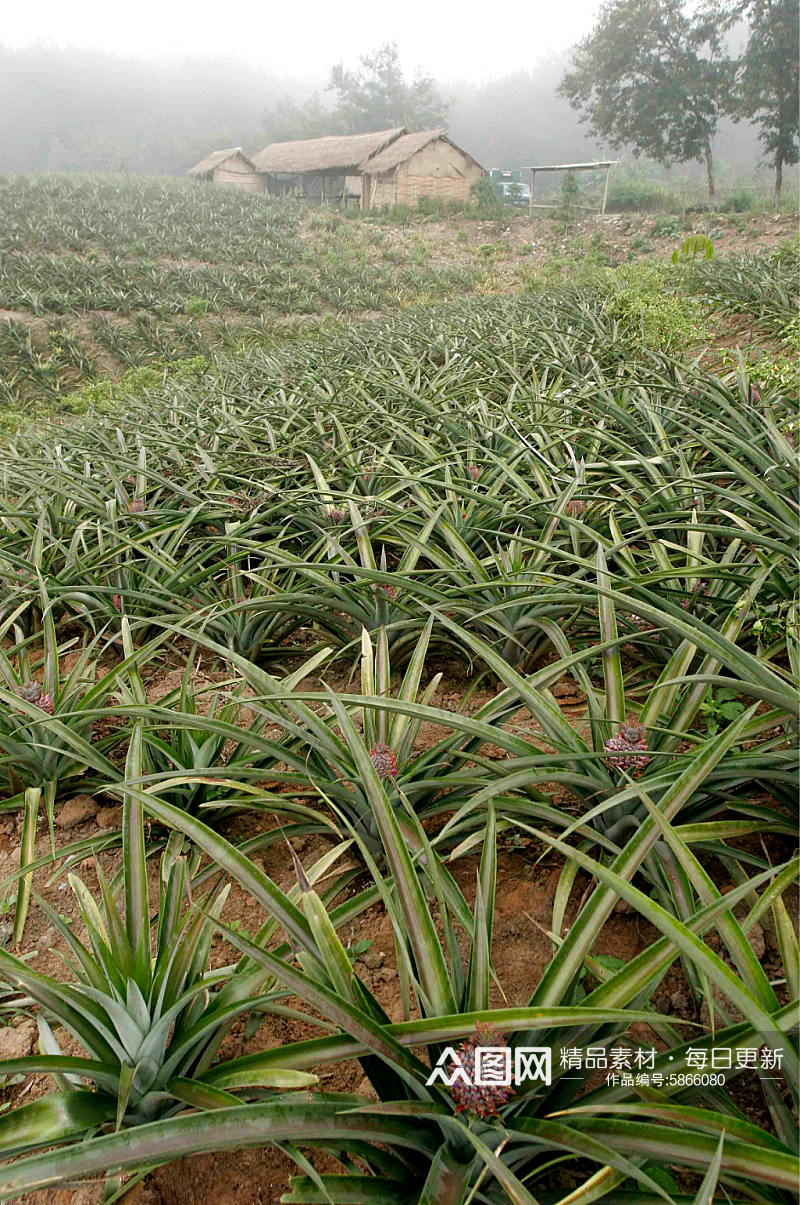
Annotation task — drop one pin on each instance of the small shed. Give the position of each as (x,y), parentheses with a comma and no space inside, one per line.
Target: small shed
(229,167)
(417,165)
(320,167)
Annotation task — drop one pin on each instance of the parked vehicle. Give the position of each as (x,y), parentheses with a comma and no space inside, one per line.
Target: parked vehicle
(509,187)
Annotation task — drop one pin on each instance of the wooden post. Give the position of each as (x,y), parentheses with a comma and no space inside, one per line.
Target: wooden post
(374,189)
(605,192)
(533,185)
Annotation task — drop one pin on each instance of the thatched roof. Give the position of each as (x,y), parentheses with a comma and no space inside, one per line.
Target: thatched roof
(343,152)
(402,149)
(215,158)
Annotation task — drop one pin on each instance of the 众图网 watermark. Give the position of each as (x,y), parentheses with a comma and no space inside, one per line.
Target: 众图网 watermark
(625,1066)
(493,1067)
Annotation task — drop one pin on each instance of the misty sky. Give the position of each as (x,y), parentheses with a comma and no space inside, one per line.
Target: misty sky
(302,40)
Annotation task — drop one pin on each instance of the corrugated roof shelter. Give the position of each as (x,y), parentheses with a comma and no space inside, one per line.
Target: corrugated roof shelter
(229,167)
(417,165)
(321,164)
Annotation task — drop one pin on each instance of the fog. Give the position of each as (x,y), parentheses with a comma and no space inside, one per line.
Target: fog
(68,109)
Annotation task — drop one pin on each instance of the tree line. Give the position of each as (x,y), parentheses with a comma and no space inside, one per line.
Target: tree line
(657,77)
(653,77)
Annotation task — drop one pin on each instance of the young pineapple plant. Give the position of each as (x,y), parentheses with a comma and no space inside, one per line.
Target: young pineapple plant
(312,764)
(201,749)
(147,1009)
(239,610)
(46,728)
(504,593)
(628,756)
(345,592)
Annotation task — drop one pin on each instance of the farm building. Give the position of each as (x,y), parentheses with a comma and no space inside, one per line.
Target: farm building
(414,166)
(229,167)
(320,167)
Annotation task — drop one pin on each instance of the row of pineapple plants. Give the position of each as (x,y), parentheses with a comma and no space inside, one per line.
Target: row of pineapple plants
(536,500)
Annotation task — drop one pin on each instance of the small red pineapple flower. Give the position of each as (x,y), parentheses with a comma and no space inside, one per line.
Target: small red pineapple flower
(46,703)
(336,514)
(474,471)
(384,761)
(755,395)
(628,749)
(576,506)
(116,602)
(136,506)
(386,589)
(480,1100)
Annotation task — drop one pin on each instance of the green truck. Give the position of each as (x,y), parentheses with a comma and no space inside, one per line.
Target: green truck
(509,187)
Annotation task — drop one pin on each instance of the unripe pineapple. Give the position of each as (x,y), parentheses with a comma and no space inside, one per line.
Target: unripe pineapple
(136,506)
(473,471)
(384,761)
(386,589)
(478,1100)
(576,506)
(46,703)
(336,514)
(116,602)
(628,749)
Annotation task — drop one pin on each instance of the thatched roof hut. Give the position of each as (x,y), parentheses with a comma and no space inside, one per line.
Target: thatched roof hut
(320,166)
(336,153)
(417,165)
(229,167)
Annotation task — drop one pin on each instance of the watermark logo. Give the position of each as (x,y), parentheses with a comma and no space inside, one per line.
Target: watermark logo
(494,1066)
(502,1067)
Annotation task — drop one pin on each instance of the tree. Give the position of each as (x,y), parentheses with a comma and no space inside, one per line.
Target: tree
(376,96)
(288,121)
(769,92)
(655,79)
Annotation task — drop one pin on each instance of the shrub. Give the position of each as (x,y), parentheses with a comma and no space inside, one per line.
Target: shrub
(741,200)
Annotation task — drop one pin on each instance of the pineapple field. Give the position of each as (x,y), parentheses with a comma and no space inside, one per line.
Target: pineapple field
(398,706)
